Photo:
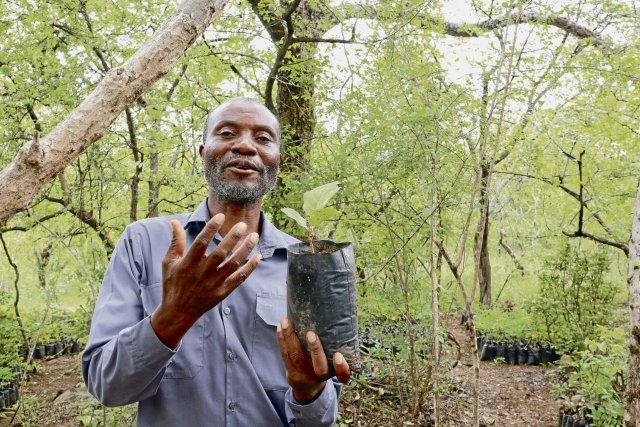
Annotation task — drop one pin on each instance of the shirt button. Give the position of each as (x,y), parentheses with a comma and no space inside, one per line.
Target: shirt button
(232,406)
(232,356)
(226,311)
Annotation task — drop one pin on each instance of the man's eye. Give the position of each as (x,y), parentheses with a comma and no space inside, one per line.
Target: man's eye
(225,133)
(264,138)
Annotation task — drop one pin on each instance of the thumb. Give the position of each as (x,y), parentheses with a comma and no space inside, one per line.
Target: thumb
(178,242)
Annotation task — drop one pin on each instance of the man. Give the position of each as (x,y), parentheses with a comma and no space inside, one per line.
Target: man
(194,333)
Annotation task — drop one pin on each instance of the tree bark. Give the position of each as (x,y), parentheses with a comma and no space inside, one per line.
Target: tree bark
(38,162)
(154,186)
(632,391)
(484,276)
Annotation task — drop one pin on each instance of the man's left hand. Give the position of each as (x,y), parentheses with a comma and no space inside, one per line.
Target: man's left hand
(307,375)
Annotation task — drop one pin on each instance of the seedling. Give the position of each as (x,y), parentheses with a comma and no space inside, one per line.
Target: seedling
(321,281)
(315,209)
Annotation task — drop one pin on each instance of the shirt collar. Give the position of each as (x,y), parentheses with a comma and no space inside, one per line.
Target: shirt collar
(271,239)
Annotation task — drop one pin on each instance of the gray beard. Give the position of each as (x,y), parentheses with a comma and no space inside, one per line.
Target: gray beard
(238,192)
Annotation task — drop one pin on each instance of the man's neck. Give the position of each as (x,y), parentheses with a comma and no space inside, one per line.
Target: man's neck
(235,213)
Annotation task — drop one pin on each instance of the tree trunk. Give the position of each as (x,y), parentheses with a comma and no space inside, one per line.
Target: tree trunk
(298,121)
(154,186)
(632,391)
(484,276)
(295,106)
(435,300)
(38,162)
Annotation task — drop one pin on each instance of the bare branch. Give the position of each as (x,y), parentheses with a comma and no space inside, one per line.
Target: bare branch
(255,88)
(565,24)
(509,251)
(83,215)
(323,40)
(620,245)
(175,83)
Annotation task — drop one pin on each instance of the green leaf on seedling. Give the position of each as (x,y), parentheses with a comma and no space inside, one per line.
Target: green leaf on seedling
(294,215)
(321,215)
(319,197)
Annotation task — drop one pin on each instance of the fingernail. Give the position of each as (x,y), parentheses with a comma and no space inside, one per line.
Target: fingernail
(253,238)
(338,359)
(241,227)
(284,323)
(311,337)
(218,218)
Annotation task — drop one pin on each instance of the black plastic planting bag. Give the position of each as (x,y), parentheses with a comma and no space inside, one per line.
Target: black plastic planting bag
(321,297)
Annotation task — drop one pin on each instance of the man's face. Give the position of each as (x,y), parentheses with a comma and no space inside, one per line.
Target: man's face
(241,153)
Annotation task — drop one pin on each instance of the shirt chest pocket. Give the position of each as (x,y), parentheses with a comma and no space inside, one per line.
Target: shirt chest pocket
(189,359)
(265,354)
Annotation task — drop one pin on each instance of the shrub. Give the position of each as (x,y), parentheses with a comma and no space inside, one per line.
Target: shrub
(574,297)
(595,377)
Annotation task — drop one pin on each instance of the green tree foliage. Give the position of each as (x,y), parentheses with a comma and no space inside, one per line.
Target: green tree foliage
(385,111)
(575,296)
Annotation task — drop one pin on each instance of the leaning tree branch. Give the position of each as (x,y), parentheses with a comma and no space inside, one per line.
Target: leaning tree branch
(38,162)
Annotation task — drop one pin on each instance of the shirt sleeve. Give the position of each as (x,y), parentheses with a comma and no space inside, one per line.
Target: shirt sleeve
(323,411)
(124,360)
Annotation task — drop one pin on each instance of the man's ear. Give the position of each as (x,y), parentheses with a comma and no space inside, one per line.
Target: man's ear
(201,150)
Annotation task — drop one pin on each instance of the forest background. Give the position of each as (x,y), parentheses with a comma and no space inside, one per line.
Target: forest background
(487,166)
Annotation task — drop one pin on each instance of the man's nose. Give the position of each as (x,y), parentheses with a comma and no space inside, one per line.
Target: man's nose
(244,144)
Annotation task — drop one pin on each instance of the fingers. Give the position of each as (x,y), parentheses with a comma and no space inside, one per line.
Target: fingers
(178,242)
(318,358)
(235,279)
(217,257)
(203,239)
(236,261)
(340,365)
(290,347)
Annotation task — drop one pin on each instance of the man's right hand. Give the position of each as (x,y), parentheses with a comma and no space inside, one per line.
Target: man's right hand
(194,283)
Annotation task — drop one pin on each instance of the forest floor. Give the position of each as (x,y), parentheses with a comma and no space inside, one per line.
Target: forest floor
(510,395)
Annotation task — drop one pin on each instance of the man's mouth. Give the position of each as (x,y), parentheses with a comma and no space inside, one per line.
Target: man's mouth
(242,166)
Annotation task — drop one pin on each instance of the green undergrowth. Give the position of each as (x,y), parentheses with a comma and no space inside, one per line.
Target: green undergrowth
(592,378)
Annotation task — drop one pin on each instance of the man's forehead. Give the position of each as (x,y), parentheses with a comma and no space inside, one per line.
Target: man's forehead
(236,111)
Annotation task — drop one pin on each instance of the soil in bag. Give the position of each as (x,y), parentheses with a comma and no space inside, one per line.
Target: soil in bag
(321,297)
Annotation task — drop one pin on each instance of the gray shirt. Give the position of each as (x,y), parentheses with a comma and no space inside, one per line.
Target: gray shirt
(226,371)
